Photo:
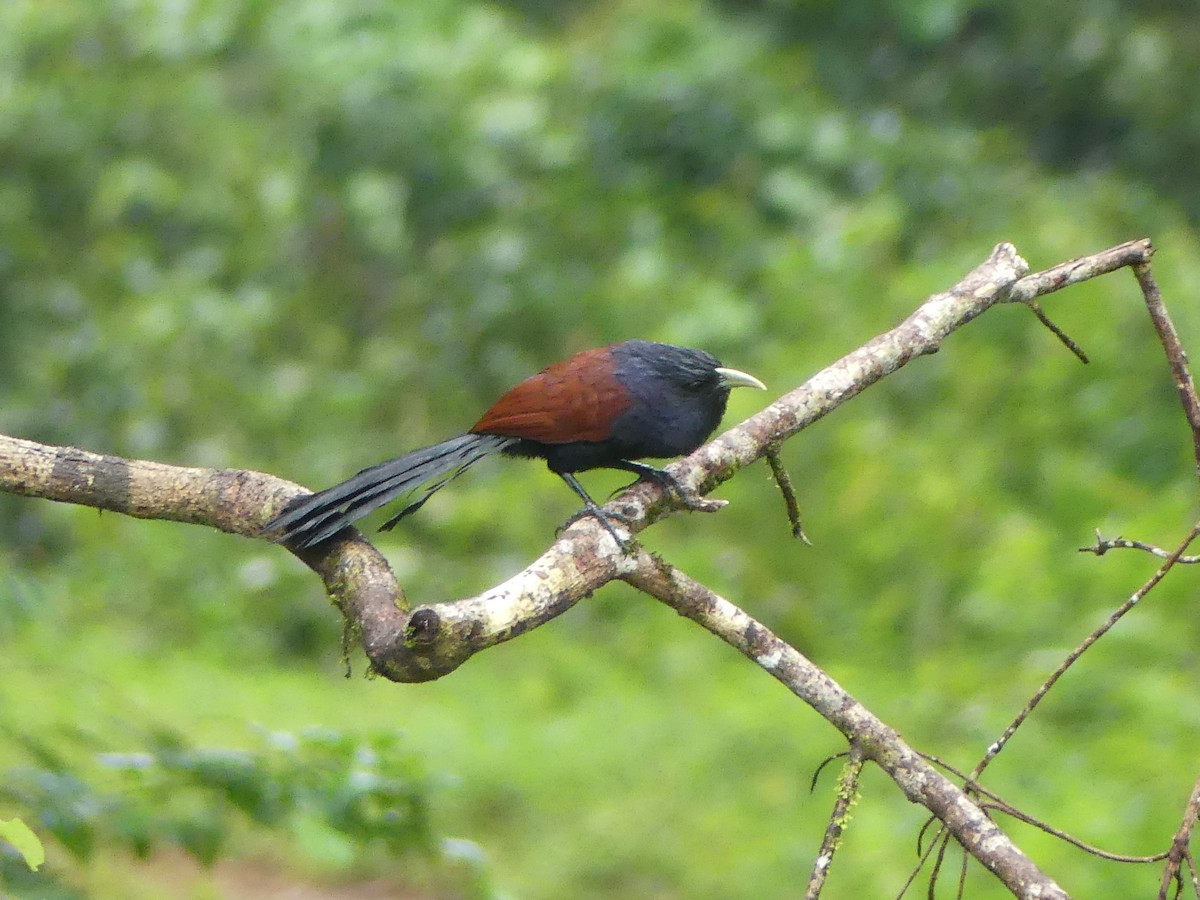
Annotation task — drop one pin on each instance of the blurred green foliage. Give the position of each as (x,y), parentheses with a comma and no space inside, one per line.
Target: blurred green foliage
(21,838)
(337,795)
(322,783)
(305,236)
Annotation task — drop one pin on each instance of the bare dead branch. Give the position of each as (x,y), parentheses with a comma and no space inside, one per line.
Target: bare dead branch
(919,781)
(1075,654)
(419,646)
(1103,545)
(1176,357)
(229,499)
(1179,854)
(1077,271)
(432,640)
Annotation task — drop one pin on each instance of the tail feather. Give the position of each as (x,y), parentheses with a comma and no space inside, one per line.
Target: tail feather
(322,515)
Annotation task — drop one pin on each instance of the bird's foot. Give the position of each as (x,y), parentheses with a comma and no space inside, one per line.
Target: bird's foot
(686,497)
(626,543)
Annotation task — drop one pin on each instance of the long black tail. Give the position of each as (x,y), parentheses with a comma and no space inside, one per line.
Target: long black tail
(319,516)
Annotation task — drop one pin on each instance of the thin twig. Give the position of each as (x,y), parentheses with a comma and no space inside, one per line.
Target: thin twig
(847,796)
(998,803)
(1066,339)
(939,858)
(821,768)
(1010,810)
(1112,620)
(1077,271)
(1103,545)
(923,855)
(962,868)
(1191,867)
(784,480)
(1176,356)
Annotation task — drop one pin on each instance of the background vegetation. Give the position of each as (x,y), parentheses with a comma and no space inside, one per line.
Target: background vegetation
(301,237)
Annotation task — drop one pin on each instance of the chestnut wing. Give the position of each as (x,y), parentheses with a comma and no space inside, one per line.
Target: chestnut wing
(574,400)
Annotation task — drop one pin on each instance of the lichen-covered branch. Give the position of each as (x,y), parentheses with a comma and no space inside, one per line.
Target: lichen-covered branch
(401,644)
(229,499)
(847,796)
(429,641)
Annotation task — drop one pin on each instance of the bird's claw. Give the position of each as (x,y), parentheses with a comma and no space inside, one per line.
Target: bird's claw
(588,514)
(696,503)
(683,495)
(627,544)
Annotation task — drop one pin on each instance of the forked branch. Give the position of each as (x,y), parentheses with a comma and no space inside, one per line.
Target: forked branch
(426,642)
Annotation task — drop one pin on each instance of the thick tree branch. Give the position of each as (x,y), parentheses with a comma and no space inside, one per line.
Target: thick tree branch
(432,640)
(229,499)
(420,646)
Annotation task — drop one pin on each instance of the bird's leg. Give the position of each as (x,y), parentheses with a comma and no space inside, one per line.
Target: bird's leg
(686,497)
(591,509)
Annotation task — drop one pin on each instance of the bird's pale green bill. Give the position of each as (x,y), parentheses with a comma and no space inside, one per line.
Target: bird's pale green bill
(732,378)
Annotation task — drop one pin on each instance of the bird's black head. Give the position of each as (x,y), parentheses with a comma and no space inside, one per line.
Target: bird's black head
(678,397)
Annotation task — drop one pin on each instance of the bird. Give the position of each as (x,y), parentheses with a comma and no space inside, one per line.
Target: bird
(603,408)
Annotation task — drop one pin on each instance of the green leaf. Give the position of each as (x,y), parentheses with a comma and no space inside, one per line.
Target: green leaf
(18,834)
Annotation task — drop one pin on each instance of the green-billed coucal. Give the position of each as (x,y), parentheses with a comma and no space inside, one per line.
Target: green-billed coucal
(602,408)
